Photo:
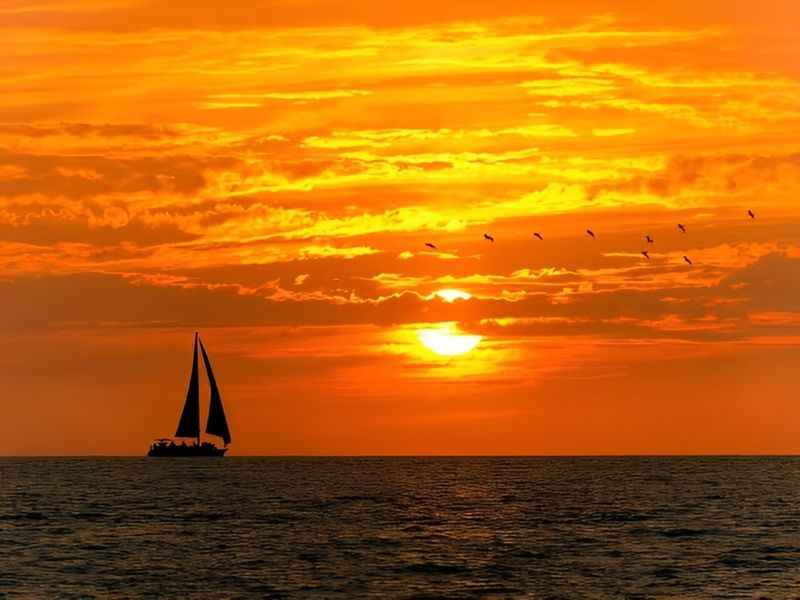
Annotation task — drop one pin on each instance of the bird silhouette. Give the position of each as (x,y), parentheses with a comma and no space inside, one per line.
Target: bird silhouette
(431,246)
(752,215)
(538,235)
(682,228)
(590,233)
(488,237)
(645,254)
(649,239)
(686,258)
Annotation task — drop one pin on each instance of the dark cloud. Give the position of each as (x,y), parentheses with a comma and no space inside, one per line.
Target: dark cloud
(769,284)
(772,283)
(139,130)
(250,14)
(45,224)
(84,176)
(711,174)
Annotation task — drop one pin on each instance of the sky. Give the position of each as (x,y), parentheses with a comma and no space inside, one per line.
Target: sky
(269,172)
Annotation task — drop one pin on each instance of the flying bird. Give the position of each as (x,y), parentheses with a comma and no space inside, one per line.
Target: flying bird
(590,232)
(486,236)
(682,228)
(649,239)
(645,254)
(686,258)
(431,246)
(538,235)
(752,215)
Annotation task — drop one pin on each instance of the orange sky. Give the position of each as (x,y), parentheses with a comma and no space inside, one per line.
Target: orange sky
(269,172)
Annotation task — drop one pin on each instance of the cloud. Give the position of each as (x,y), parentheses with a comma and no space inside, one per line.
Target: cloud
(721,311)
(83,176)
(326,251)
(352,174)
(613,132)
(770,284)
(101,130)
(712,174)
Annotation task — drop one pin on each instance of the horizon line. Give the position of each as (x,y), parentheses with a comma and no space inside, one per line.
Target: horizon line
(640,455)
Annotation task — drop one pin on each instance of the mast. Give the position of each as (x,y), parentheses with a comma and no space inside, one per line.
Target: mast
(217,423)
(189,424)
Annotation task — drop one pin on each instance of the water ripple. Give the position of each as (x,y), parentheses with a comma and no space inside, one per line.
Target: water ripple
(535,528)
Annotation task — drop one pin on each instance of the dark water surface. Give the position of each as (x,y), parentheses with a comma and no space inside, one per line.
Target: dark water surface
(400,528)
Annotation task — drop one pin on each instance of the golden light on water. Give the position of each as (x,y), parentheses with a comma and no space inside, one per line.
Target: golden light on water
(444,341)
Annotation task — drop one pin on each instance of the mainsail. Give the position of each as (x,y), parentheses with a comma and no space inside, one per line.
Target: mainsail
(189,425)
(217,423)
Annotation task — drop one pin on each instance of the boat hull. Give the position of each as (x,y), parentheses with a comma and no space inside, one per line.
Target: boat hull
(185,451)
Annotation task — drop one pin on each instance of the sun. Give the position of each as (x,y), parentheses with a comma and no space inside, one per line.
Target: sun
(444,342)
(449,295)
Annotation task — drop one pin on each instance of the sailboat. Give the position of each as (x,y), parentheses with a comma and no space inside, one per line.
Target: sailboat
(189,424)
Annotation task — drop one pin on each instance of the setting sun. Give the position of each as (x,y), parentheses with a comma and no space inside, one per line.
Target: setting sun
(445,342)
(449,295)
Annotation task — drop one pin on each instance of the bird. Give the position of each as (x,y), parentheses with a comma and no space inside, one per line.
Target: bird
(645,254)
(752,215)
(686,258)
(682,228)
(649,239)
(488,237)
(590,232)
(431,246)
(538,235)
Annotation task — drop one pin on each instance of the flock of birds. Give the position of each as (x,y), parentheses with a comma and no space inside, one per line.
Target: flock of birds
(590,233)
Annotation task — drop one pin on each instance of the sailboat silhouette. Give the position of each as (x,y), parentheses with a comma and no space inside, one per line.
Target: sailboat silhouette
(189,423)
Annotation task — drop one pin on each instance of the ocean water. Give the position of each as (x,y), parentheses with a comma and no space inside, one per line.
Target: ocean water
(549,528)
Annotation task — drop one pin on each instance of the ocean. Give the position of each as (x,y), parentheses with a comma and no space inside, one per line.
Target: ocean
(539,528)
